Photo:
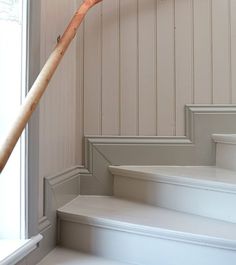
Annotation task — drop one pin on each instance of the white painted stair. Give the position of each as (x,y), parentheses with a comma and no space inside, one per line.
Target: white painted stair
(205,191)
(159,215)
(142,234)
(63,256)
(225,150)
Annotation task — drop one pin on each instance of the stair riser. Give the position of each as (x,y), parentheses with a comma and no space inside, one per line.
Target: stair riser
(140,249)
(209,203)
(226,156)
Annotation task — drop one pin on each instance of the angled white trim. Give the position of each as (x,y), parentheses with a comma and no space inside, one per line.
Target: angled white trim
(138,140)
(195,148)
(63,176)
(224,138)
(211,108)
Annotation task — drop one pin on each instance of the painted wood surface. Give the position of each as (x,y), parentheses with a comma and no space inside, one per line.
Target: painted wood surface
(57,120)
(135,65)
(150,58)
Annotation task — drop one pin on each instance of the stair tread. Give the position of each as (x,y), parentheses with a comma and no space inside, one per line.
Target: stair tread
(207,176)
(142,218)
(65,256)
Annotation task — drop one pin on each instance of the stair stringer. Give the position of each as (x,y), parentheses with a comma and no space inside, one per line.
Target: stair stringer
(195,148)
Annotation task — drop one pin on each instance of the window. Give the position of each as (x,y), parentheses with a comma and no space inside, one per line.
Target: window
(12,90)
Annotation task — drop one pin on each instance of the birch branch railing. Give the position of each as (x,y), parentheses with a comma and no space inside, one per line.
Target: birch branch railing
(41,83)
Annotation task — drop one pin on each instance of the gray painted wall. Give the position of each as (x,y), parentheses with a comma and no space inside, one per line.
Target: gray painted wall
(134,66)
(143,60)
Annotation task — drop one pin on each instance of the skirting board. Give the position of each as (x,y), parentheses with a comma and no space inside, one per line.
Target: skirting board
(58,190)
(195,148)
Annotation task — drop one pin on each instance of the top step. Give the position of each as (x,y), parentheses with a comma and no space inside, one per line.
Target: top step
(206,177)
(225,150)
(205,191)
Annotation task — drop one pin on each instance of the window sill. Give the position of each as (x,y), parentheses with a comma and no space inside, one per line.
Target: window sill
(13,251)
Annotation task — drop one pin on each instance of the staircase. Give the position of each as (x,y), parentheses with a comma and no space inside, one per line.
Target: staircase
(158,215)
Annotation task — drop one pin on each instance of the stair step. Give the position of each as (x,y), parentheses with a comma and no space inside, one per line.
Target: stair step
(65,256)
(225,150)
(140,234)
(202,190)
(208,177)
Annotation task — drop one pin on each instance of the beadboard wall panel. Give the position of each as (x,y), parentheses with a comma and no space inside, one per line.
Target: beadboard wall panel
(233,48)
(147,93)
(129,59)
(165,74)
(93,71)
(221,51)
(79,121)
(183,59)
(57,121)
(146,59)
(110,68)
(202,51)
(135,65)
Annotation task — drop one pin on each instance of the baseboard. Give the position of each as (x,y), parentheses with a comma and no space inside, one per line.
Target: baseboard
(58,190)
(195,148)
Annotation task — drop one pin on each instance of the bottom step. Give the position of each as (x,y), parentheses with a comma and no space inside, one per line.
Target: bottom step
(145,235)
(65,256)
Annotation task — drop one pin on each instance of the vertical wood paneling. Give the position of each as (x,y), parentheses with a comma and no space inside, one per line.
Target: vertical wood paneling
(80,92)
(221,52)
(147,67)
(202,52)
(165,68)
(129,67)
(57,124)
(137,63)
(233,48)
(184,59)
(110,68)
(182,56)
(93,71)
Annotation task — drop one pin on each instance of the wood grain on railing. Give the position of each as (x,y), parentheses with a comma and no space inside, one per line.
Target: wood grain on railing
(33,97)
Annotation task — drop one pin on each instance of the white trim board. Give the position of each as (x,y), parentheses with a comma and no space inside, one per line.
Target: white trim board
(16,250)
(196,148)
(224,138)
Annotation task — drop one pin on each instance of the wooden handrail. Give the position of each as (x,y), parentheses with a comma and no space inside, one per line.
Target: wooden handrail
(33,97)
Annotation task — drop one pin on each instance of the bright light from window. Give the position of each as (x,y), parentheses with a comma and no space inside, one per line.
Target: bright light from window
(11,50)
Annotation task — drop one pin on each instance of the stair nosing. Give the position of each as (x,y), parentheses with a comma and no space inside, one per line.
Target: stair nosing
(175,180)
(157,232)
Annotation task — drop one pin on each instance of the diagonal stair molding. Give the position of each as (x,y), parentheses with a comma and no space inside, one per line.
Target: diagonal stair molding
(196,148)
(41,83)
